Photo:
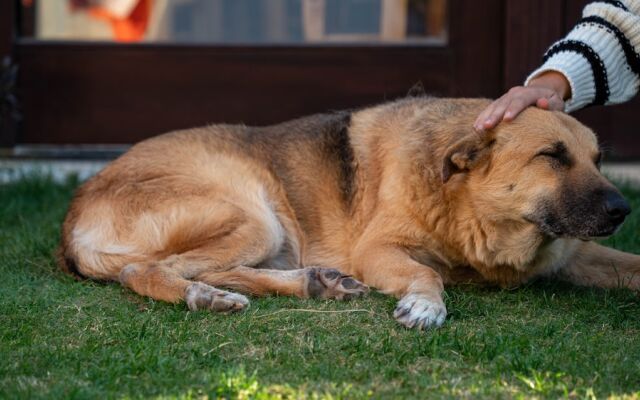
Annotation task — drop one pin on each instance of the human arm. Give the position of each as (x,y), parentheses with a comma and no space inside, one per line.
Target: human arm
(599,59)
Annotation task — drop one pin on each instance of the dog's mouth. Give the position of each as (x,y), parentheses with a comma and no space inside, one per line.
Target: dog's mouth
(551,228)
(605,233)
(544,227)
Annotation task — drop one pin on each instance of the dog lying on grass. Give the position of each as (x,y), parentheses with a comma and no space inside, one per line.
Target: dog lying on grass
(404,197)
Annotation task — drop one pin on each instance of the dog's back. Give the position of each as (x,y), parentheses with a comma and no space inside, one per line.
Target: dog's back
(155,200)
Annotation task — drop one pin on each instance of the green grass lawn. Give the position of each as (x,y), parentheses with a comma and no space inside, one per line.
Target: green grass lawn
(65,339)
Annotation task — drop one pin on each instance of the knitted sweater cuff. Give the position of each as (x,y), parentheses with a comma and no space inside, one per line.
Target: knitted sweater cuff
(578,72)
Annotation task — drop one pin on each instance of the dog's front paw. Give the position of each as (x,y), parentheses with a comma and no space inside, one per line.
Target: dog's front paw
(420,311)
(329,283)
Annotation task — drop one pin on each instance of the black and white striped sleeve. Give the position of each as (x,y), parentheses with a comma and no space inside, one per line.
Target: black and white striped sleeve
(600,57)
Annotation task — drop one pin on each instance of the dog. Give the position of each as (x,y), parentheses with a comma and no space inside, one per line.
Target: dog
(403,197)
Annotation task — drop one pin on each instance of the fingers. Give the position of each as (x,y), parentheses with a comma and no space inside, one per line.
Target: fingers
(490,116)
(511,104)
(543,103)
(517,105)
(555,103)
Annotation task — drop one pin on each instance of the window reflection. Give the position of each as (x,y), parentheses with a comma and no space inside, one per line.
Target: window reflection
(242,21)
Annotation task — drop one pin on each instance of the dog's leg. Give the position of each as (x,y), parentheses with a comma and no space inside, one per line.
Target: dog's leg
(394,272)
(225,260)
(596,265)
(163,281)
(243,242)
(325,283)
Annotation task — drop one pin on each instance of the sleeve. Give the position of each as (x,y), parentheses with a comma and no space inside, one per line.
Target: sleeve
(600,57)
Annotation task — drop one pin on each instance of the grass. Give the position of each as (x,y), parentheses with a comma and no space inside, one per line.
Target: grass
(63,339)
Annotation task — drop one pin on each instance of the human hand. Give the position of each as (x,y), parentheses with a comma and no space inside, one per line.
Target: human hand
(547,91)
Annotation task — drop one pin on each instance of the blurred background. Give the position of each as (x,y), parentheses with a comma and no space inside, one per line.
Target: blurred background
(243,21)
(86,78)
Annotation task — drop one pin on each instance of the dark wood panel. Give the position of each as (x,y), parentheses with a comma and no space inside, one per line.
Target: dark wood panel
(26,18)
(531,26)
(476,37)
(7,36)
(573,12)
(616,127)
(121,94)
(7,26)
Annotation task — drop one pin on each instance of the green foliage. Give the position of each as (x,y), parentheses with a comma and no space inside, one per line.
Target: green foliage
(65,339)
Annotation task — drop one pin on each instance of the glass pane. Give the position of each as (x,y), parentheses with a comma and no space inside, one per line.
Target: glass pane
(242,21)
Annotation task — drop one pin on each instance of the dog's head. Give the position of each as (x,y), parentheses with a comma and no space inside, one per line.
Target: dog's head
(542,169)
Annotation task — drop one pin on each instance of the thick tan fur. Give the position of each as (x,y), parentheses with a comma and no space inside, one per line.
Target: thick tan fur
(404,197)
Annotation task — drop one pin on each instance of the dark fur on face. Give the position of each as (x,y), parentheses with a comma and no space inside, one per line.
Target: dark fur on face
(582,211)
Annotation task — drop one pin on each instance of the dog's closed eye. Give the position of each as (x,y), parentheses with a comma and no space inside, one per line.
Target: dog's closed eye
(597,160)
(557,153)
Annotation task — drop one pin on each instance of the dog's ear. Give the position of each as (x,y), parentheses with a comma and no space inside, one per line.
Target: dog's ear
(417,90)
(465,155)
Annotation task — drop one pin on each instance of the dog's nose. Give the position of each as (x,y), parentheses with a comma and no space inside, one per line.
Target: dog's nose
(616,206)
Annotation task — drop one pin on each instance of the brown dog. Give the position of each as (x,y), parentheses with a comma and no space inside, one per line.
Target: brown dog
(404,196)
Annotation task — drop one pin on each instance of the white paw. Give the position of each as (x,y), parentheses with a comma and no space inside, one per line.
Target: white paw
(200,296)
(420,311)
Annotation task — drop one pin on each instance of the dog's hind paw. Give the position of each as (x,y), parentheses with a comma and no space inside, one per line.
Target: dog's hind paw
(200,296)
(420,311)
(329,283)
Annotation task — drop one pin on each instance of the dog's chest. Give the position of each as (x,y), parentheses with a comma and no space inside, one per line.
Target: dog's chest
(455,269)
